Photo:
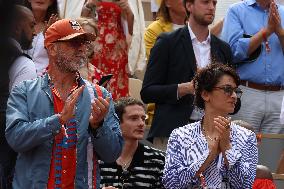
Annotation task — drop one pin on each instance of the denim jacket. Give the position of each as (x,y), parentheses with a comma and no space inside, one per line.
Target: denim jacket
(32,125)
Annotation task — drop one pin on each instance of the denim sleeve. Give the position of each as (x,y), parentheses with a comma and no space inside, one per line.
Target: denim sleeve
(242,164)
(108,140)
(233,32)
(21,134)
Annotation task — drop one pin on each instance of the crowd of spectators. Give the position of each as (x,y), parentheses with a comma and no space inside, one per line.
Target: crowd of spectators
(208,94)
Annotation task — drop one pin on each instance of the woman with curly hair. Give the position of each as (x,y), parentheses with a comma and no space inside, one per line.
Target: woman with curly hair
(213,152)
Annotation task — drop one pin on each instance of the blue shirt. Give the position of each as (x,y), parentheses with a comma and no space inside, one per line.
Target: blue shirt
(32,125)
(247,17)
(188,149)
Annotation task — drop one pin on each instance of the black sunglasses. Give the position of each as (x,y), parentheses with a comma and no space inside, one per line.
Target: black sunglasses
(229,90)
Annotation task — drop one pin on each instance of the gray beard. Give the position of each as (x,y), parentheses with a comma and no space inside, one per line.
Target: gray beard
(66,66)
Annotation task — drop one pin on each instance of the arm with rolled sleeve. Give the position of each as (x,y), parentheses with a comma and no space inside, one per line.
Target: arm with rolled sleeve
(182,162)
(242,163)
(21,134)
(233,32)
(107,138)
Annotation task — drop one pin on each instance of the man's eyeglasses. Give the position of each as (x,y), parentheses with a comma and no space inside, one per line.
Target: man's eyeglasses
(76,43)
(229,90)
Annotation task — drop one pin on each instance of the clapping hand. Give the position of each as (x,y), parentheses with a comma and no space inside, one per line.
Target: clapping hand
(99,110)
(222,125)
(274,20)
(68,110)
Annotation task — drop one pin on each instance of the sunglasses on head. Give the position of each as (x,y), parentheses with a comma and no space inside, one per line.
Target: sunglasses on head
(229,90)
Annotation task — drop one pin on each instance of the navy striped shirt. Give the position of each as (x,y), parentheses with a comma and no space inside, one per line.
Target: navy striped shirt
(188,149)
(145,170)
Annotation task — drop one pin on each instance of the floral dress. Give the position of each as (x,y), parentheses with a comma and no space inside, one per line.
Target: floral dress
(111,49)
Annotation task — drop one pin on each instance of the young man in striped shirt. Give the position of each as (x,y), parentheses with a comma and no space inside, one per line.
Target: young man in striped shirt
(139,166)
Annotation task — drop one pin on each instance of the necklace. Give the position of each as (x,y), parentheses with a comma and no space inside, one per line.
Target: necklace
(124,165)
(206,134)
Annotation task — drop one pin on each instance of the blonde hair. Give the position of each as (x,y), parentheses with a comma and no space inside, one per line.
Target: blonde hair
(83,21)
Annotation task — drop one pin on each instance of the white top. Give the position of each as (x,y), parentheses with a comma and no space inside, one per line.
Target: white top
(70,8)
(154,6)
(39,54)
(177,26)
(203,58)
(136,51)
(201,49)
(22,69)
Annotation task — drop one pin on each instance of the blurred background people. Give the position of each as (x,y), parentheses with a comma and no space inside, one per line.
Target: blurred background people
(15,68)
(87,71)
(155,5)
(43,11)
(171,16)
(111,49)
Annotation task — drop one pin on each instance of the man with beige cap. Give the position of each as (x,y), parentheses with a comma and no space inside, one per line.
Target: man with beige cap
(59,123)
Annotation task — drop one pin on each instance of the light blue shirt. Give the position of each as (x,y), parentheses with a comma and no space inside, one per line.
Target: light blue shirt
(188,149)
(247,17)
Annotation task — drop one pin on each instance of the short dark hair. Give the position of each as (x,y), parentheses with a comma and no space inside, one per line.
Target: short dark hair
(19,15)
(207,78)
(52,9)
(123,102)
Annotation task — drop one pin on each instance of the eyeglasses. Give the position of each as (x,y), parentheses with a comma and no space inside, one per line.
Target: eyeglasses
(76,43)
(229,90)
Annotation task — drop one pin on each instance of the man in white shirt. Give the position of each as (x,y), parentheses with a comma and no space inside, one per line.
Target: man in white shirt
(23,68)
(173,61)
(14,69)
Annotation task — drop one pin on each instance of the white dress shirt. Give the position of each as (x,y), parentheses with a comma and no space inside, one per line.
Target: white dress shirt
(22,69)
(202,52)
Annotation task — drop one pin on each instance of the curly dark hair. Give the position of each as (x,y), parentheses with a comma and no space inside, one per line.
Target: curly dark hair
(123,102)
(208,77)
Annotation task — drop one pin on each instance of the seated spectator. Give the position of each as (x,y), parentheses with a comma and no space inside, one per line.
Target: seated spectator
(43,12)
(212,152)
(263,179)
(139,166)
